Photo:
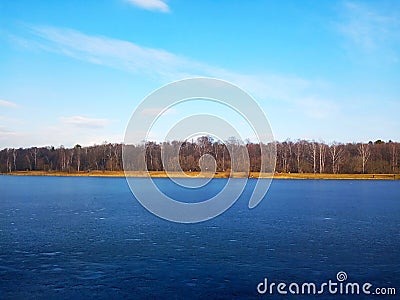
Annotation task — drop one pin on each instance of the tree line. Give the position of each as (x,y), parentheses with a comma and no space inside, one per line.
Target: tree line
(300,156)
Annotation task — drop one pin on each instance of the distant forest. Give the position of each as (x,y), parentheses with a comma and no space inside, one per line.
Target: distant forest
(299,156)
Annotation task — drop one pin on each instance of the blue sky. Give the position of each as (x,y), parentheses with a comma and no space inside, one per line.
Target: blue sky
(73,72)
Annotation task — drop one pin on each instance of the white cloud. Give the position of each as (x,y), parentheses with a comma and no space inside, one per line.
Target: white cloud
(9,104)
(164,65)
(4,131)
(85,122)
(109,52)
(11,120)
(55,135)
(8,137)
(154,5)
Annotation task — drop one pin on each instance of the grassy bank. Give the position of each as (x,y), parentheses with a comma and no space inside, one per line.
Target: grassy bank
(161,174)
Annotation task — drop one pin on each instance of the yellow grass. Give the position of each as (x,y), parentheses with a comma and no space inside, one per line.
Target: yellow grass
(162,174)
(335,176)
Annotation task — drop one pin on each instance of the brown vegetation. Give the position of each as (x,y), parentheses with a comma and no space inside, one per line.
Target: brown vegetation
(294,157)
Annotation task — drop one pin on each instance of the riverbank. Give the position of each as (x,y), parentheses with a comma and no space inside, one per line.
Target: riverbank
(161,174)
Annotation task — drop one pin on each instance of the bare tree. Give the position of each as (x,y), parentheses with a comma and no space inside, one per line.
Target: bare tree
(286,155)
(300,156)
(393,151)
(149,152)
(365,152)
(78,156)
(8,162)
(223,157)
(298,151)
(70,157)
(34,153)
(322,157)
(15,159)
(336,151)
(28,160)
(62,158)
(313,146)
(204,143)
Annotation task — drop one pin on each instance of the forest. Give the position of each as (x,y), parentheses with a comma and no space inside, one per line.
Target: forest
(300,156)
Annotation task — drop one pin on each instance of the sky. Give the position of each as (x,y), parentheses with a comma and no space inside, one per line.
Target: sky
(73,72)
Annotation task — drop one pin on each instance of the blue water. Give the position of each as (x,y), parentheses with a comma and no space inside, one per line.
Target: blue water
(88,238)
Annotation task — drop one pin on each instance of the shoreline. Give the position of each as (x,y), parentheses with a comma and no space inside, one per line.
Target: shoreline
(161,174)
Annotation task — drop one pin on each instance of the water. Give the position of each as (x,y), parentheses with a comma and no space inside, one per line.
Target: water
(85,238)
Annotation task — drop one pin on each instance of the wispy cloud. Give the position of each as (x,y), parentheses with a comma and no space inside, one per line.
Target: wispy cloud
(165,66)
(56,135)
(11,120)
(4,103)
(154,5)
(371,27)
(84,122)
(109,52)
(7,136)
(4,131)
